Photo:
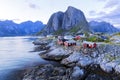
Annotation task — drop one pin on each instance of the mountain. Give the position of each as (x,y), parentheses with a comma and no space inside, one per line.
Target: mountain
(102,27)
(30,27)
(71,21)
(9,28)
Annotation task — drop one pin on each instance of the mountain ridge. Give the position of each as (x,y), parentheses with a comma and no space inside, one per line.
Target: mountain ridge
(10,28)
(103,27)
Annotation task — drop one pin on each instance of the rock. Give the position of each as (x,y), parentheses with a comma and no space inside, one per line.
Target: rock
(72,59)
(106,68)
(99,64)
(84,62)
(40,42)
(97,77)
(117,68)
(74,17)
(77,73)
(40,48)
(54,23)
(50,72)
(56,54)
(72,20)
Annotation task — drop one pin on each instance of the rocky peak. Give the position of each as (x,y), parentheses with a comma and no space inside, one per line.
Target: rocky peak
(55,21)
(71,11)
(72,20)
(73,17)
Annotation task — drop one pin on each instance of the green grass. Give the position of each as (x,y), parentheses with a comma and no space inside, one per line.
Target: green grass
(74,29)
(60,31)
(96,39)
(92,39)
(118,34)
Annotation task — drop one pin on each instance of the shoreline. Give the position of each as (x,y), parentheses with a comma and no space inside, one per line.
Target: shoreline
(77,65)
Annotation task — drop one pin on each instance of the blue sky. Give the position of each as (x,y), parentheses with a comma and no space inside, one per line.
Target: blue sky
(23,10)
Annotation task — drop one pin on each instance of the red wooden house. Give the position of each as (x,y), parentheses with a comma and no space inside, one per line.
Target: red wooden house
(70,43)
(89,45)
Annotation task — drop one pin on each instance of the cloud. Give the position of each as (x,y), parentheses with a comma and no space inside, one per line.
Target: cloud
(96,15)
(92,13)
(33,6)
(110,13)
(112,3)
(113,18)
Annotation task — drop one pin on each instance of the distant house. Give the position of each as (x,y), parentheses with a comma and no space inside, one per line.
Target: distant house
(61,41)
(60,37)
(69,37)
(70,43)
(77,37)
(49,36)
(82,35)
(89,44)
(66,41)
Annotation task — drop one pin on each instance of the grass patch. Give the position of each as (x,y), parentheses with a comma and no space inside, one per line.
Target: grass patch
(74,29)
(60,31)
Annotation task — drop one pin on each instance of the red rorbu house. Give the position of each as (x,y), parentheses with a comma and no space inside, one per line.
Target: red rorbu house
(61,41)
(70,43)
(77,38)
(89,45)
(66,41)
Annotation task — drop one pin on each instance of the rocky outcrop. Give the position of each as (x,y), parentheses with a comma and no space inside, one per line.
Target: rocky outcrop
(51,72)
(104,58)
(57,57)
(72,21)
(107,56)
(101,63)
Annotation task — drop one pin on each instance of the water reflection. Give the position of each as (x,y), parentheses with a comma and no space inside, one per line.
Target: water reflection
(15,54)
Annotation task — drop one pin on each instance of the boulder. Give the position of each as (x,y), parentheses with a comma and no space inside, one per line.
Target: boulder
(71,60)
(117,68)
(40,42)
(77,73)
(84,62)
(106,68)
(56,54)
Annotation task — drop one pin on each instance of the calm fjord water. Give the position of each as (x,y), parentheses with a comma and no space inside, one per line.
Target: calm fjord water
(15,54)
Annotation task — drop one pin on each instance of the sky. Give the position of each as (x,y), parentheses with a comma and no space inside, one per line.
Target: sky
(34,10)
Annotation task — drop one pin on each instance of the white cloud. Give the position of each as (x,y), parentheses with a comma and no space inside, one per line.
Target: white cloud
(112,3)
(110,13)
(34,6)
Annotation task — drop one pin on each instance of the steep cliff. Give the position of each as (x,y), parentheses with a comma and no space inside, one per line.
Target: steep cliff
(71,21)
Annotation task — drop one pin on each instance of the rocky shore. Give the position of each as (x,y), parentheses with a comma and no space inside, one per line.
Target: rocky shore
(77,63)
